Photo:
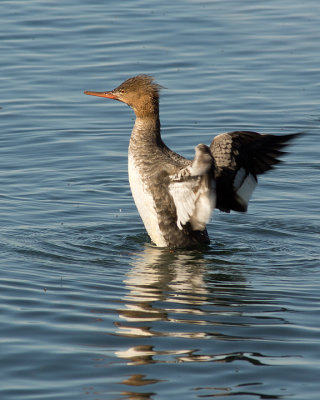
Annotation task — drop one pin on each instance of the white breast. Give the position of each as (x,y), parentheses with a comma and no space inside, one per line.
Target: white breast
(144,203)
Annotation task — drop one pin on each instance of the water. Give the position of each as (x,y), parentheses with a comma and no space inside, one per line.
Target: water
(89,309)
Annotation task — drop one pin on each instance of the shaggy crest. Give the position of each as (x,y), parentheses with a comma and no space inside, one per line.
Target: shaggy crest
(140,83)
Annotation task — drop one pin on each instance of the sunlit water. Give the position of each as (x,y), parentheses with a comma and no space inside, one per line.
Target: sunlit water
(89,308)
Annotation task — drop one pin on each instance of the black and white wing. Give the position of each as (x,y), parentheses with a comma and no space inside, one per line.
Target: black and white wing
(193,190)
(239,158)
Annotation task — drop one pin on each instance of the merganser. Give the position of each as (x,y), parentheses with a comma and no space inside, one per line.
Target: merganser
(176,196)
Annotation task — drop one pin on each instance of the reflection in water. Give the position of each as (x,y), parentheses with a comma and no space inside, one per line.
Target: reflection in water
(156,276)
(182,294)
(160,284)
(169,288)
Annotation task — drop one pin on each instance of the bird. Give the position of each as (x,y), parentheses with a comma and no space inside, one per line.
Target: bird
(175,196)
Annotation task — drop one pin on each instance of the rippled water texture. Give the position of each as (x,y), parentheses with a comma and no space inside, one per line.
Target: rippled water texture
(89,308)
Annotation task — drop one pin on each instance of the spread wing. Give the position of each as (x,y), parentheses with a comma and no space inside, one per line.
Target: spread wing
(239,158)
(193,191)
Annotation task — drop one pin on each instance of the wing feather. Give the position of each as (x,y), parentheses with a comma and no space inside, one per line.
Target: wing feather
(193,191)
(239,158)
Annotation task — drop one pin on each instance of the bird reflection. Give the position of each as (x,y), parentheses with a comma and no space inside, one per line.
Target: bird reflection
(185,295)
(166,287)
(158,281)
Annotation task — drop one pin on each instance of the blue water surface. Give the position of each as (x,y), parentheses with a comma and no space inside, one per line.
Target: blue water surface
(89,308)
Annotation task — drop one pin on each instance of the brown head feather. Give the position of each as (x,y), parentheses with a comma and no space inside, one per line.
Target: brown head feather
(141,93)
